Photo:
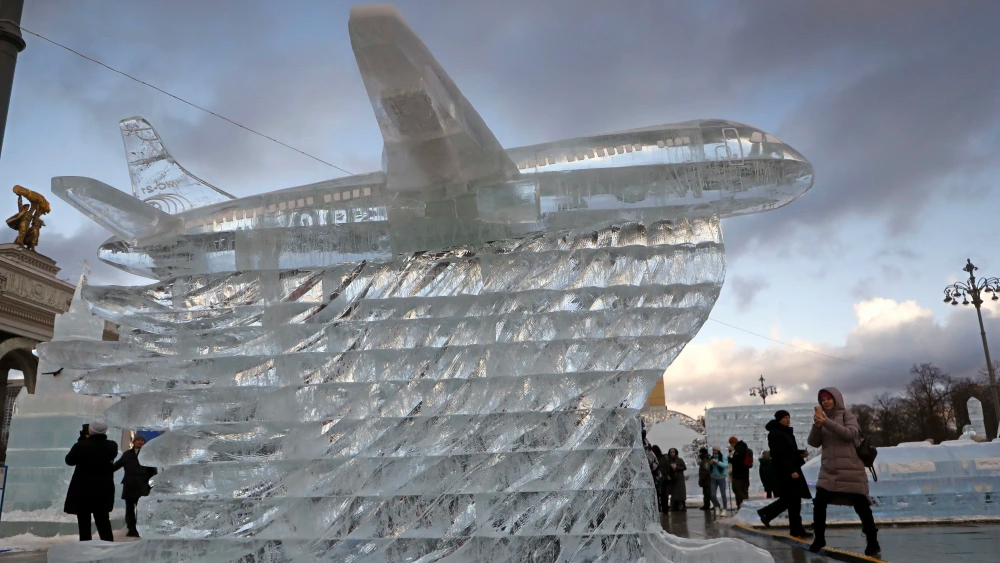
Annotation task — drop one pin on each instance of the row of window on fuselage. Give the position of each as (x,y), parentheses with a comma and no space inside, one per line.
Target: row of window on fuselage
(600,152)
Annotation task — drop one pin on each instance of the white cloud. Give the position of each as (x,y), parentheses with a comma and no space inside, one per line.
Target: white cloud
(881,314)
(888,338)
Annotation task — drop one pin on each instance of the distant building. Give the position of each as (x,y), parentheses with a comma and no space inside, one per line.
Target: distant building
(658,397)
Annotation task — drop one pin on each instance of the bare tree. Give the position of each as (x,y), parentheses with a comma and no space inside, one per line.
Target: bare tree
(929,397)
(890,420)
(867,422)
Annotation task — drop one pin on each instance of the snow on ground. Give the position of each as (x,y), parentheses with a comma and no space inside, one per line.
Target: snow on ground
(30,542)
(50,515)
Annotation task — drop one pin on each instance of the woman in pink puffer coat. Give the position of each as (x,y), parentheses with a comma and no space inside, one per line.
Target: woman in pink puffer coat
(843,478)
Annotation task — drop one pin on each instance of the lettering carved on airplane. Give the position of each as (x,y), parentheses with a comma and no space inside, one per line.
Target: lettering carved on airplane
(160,186)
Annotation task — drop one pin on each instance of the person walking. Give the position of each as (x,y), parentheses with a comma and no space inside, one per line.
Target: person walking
(767,474)
(741,459)
(678,488)
(666,477)
(842,475)
(92,487)
(135,483)
(705,479)
(719,467)
(787,461)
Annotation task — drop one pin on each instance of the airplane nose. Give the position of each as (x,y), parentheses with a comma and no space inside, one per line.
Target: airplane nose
(792,154)
(801,171)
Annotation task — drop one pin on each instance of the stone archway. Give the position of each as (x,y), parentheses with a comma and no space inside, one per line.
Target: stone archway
(15,353)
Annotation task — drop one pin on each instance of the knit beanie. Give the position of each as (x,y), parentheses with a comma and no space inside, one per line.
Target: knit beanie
(780,414)
(98,427)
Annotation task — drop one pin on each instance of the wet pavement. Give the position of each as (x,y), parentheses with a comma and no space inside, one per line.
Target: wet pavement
(947,543)
(969,543)
(703,524)
(23,557)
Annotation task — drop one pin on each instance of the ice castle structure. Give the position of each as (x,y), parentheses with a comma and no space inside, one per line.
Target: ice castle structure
(958,480)
(442,361)
(47,423)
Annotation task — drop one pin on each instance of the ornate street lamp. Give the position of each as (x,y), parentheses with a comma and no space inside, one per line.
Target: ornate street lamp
(763,391)
(974,289)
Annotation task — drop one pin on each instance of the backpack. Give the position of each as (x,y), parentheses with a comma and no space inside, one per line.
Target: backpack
(867,454)
(748,458)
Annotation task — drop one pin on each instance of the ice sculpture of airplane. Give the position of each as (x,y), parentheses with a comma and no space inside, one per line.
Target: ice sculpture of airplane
(445,180)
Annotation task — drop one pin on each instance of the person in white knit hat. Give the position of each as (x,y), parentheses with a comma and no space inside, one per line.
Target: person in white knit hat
(92,488)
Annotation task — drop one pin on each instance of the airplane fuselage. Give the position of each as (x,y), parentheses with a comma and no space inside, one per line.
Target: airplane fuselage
(694,168)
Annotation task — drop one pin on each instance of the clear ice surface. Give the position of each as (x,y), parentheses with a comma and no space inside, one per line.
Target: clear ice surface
(443,361)
(157,178)
(976,417)
(46,424)
(955,481)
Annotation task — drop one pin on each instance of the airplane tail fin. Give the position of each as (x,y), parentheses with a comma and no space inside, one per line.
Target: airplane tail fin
(433,136)
(130,219)
(157,178)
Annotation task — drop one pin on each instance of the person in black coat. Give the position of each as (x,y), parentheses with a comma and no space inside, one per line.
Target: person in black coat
(786,462)
(92,488)
(135,483)
(767,474)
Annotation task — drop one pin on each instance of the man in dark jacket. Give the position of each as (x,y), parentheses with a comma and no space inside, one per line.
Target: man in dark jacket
(786,462)
(92,488)
(135,483)
(705,478)
(741,460)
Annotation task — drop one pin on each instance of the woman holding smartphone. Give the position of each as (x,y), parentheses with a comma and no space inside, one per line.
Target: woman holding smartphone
(842,475)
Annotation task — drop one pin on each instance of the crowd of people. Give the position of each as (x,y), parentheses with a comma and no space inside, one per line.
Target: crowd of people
(91,492)
(843,477)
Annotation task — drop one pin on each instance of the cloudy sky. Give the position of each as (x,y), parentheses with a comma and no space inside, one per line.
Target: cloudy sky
(894,102)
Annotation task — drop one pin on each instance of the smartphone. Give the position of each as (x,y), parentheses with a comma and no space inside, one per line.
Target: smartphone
(818,410)
(86,429)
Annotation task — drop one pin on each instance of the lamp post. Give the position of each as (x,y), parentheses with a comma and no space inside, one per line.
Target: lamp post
(11,43)
(763,391)
(975,288)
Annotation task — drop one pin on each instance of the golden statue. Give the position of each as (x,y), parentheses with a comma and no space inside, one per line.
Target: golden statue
(28,219)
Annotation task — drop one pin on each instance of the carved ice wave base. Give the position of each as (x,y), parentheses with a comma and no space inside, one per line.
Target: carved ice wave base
(474,404)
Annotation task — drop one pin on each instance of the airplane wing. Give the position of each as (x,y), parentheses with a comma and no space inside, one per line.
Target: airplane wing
(157,178)
(130,219)
(433,136)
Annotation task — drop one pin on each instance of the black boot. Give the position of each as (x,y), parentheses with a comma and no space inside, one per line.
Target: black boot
(819,542)
(764,519)
(801,534)
(873,549)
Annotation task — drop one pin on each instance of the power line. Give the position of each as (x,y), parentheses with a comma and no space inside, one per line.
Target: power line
(210,112)
(839,359)
(180,99)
